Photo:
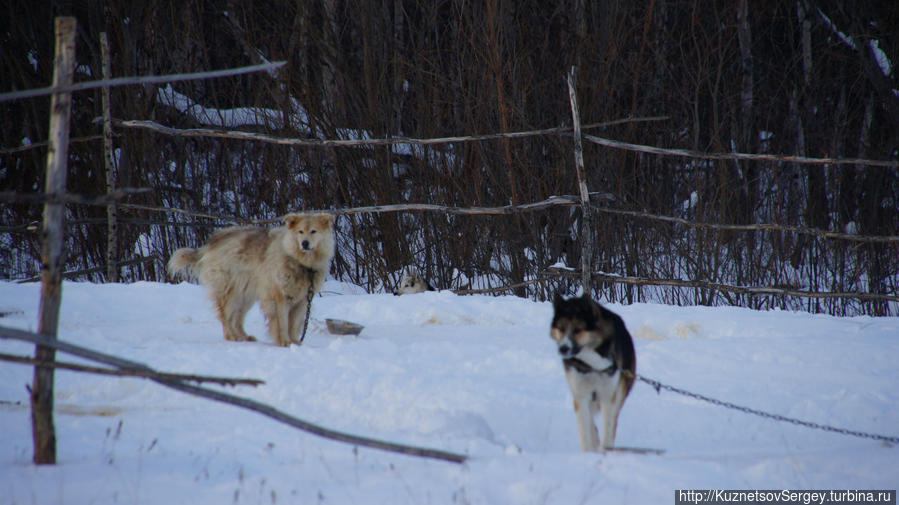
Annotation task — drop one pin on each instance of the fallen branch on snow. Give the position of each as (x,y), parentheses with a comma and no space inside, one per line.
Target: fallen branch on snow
(246,403)
(125,372)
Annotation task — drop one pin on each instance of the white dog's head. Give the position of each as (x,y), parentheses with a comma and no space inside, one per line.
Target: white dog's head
(311,231)
(412,283)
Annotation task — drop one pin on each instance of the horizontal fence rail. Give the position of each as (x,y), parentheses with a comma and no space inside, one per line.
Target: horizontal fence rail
(312,142)
(687,153)
(261,137)
(100,201)
(563,201)
(94,270)
(149,79)
(752,227)
(39,145)
(754,291)
(555,201)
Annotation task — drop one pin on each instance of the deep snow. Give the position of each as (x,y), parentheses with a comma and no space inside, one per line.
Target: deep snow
(474,374)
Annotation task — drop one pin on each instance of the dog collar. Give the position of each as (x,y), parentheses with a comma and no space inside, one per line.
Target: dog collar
(582,367)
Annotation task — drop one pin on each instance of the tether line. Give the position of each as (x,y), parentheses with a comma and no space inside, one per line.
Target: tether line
(658,386)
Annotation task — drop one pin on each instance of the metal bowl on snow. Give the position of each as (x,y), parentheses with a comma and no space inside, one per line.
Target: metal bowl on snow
(341,327)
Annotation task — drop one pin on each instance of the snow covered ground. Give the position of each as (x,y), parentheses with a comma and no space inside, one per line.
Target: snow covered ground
(476,375)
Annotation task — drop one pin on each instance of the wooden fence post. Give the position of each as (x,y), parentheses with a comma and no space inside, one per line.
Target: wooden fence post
(586,231)
(52,236)
(112,225)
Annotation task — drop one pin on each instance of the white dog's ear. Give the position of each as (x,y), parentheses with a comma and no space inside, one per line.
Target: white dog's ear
(327,219)
(291,220)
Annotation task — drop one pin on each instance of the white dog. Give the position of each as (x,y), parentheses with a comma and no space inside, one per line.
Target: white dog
(412,283)
(282,268)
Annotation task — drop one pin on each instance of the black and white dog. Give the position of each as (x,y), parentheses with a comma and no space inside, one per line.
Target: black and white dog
(600,365)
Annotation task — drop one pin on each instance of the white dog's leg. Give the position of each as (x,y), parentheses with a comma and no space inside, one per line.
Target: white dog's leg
(277,316)
(283,310)
(238,314)
(232,309)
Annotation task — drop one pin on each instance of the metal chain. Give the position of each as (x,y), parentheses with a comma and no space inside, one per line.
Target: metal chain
(310,294)
(658,386)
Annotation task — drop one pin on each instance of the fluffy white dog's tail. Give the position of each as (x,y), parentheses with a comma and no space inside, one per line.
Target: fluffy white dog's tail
(183,263)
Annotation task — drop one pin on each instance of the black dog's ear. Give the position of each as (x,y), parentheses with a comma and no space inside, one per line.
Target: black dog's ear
(596,308)
(557,300)
(604,318)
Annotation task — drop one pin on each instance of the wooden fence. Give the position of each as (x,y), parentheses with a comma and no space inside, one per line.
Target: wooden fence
(588,204)
(583,200)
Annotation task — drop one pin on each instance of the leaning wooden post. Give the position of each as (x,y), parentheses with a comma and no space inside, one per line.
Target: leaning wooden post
(112,225)
(43,431)
(586,231)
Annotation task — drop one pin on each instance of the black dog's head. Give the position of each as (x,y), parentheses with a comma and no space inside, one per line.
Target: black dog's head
(580,323)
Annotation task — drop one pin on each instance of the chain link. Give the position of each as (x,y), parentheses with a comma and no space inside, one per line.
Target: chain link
(658,386)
